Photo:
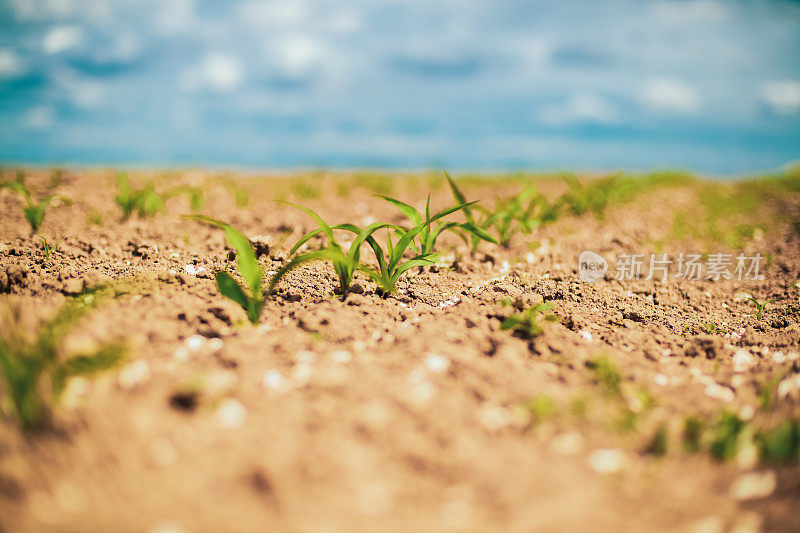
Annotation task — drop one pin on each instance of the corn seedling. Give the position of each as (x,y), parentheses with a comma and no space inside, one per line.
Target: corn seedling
(35,371)
(429,234)
(344,263)
(33,211)
(45,248)
(146,202)
(762,306)
(527,322)
(606,373)
(711,328)
(251,300)
(593,197)
(193,194)
(390,264)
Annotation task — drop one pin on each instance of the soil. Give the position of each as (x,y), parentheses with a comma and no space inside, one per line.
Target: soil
(400,413)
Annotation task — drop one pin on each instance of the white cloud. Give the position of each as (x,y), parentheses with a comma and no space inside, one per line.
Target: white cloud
(783,97)
(217,71)
(299,55)
(40,117)
(10,64)
(584,107)
(668,94)
(61,38)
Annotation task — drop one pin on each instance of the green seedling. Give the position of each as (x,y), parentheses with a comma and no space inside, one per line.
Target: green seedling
(241,195)
(762,306)
(429,234)
(605,372)
(711,328)
(345,264)
(193,194)
(390,264)
(659,443)
(539,408)
(146,202)
(527,322)
(36,371)
(251,300)
(766,393)
(46,248)
(33,211)
(593,197)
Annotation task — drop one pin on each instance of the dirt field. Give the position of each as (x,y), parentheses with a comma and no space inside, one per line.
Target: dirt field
(417,411)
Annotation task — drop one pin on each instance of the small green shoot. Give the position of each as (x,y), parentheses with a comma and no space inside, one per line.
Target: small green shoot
(390,264)
(344,263)
(46,248)
(539,408)
(429,234)
(762,306)
(249,268)
(33,211)
(711,328)
(605,372)
(146,202)
(527,323)
(35,371)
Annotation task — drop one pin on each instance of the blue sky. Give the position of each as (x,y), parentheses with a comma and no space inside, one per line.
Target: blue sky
(709,85)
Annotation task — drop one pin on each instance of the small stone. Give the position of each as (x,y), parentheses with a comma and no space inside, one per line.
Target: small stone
(301,374)
(231,413)
(193,270)
(607,460)
(790,387)
(274,380)
(305,356)
(754,485)
(194,343)
(260,245)
(717,391)
(742,360)
(341,356)
(586,335)
(494,417)
(437,363)
(661,380)
(133,374)
(72,286)
(215,344)
(568,443)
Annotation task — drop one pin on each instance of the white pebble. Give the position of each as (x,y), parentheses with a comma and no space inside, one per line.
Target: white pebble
(194,343)
(181,354)
(437,363)
(607,460)
(193,270)
(305,356)
(422,392)
(717,391)
(587,335)
(754,485)
(790,387)
(568,443)
(133,374)
(661,380)
(301,374)
(494,417)
(341,356)
(215,344)
(274,380)
(231,413)
(505,267)
(742,360)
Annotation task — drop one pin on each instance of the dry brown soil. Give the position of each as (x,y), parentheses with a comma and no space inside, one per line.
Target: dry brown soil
(391,414)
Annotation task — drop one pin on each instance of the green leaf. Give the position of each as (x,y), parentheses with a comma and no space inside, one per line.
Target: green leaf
(412,214)
(231,289)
